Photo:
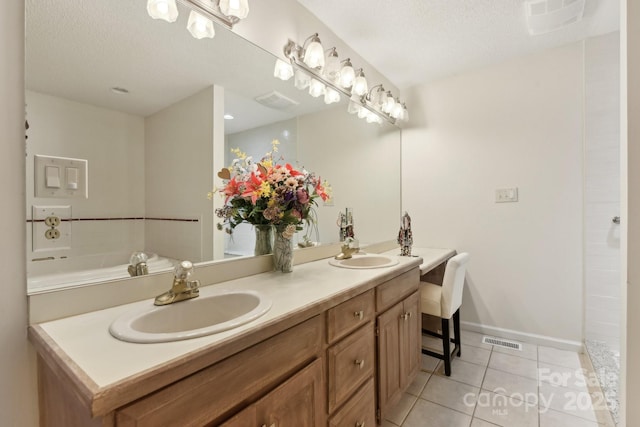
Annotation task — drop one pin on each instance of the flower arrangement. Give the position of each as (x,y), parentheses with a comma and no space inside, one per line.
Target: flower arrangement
(268,193)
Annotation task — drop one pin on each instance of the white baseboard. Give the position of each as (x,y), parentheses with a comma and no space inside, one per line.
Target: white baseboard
(523,336)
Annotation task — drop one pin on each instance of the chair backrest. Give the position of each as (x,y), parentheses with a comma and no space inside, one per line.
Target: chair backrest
(453,284)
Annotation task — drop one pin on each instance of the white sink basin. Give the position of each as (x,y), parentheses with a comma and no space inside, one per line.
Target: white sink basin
(365,261)
(204,315)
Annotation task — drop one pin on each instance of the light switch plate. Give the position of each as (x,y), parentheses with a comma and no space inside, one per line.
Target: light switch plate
(75,170)
(505,195)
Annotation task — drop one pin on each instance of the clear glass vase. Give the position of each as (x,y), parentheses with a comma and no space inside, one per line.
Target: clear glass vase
(264,240)
(282,253)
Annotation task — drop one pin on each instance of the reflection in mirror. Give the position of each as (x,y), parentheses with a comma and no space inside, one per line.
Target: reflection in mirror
(142,101)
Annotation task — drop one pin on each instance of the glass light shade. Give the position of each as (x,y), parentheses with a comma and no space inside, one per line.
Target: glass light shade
(199,26)
(282,70)
(316,88)
(372,118)
(314,54)
(396,112)
(360,86)
(389,103)
(237,8)
(332,65)
(163,9)
(302,80)
(353,107)
(331,96)
(363,113)
(347,75)
(379,97)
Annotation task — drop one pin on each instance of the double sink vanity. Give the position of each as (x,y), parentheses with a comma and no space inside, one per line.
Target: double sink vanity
(326,345)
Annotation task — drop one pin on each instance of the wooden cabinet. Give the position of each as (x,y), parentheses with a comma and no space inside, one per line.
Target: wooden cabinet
(398,330)
(299,402)
(329,369)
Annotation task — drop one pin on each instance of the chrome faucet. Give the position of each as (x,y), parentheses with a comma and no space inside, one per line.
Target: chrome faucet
(138,264)
(182,287)
(349,247)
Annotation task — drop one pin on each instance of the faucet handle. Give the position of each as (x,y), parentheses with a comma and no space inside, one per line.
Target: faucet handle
(183,270)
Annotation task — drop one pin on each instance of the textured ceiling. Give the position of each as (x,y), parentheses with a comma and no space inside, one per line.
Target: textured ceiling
(415,41)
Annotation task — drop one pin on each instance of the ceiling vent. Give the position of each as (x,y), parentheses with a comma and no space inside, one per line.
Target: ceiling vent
(276,100)
(545,16)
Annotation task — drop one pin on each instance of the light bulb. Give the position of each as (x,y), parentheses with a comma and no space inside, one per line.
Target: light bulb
(347,75)
(199,26)
(316,88)
(396,112)
(282,70)
(163,9)
(314,54)
(237,8)
(360,86)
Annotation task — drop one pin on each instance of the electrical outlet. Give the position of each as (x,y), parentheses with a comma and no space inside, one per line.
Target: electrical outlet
(504,195)
(51,228)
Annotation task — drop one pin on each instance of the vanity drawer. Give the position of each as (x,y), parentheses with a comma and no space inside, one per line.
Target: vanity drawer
(351,362)
(360,410)
(349,316)
(389,293)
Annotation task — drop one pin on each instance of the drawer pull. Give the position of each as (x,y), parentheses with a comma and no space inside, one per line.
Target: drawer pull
(405,316)
(359,363)
(359,424)
(359,315)
(272,425)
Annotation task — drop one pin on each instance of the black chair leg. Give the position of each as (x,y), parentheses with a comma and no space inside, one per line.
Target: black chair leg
(445,347)
(456,331)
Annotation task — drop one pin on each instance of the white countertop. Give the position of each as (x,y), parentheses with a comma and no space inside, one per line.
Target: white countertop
(85,338)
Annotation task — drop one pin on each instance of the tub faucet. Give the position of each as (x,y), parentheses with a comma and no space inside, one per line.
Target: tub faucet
(138,264)
(182,288)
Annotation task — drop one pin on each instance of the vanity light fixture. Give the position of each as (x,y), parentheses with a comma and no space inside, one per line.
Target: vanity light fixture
(324,74)
(199,26)
(163,9)
(203,14)
(237,8)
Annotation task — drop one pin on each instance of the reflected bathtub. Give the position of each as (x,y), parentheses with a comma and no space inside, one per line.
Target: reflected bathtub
(57,273)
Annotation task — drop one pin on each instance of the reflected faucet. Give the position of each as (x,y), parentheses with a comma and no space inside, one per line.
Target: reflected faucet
(405,235)
(182,288)
(138,264)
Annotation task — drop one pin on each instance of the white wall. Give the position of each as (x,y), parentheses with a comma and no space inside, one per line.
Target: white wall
(515,124)
(113,144)
(179,174)
(602,190)
(18,402)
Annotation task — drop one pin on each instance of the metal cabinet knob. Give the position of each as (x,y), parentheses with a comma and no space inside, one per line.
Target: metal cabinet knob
(359,315)
(359,363)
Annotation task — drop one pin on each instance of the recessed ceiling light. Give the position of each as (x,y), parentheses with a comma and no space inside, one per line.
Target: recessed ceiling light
(228,117)
(119,90)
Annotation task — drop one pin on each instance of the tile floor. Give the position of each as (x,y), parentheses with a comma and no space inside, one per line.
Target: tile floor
(493,386)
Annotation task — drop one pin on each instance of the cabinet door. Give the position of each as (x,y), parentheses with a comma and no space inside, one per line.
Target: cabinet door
(298,402)
(410,340)
(389,382)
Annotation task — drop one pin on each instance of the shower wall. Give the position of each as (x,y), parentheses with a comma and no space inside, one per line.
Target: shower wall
(602,190)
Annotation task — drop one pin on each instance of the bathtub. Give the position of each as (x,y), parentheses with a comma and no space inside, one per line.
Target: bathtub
(81,270)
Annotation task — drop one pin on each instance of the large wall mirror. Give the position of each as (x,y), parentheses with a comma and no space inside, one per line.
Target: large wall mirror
(143,102)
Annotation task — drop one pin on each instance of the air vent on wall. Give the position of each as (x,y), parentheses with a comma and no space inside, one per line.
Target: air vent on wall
(502,343)
(276,100)
(544,16)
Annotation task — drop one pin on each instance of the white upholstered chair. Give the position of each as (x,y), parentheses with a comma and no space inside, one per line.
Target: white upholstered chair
(444,302)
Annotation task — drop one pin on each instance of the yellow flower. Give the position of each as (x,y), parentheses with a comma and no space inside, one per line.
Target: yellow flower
(267,163)
(274,145)
(265,189)
(239,154)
